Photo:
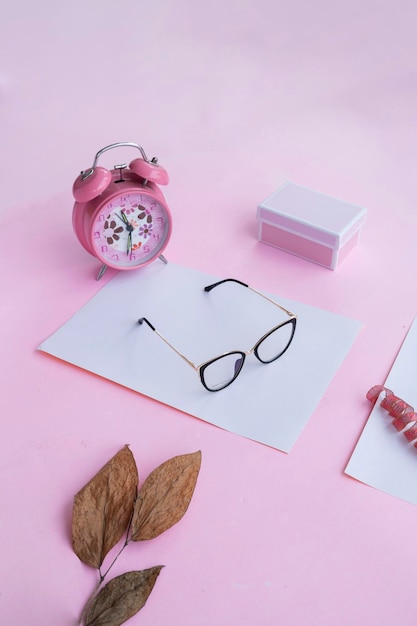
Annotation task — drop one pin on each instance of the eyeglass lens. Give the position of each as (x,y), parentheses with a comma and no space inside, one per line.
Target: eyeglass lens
(276,342)
(222,371)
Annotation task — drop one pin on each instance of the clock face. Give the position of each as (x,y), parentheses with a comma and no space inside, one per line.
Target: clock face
(130,230)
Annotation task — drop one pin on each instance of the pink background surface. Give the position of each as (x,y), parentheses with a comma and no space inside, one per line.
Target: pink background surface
(234,98)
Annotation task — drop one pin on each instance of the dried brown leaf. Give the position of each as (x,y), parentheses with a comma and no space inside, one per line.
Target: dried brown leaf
(165,496)
(103,508)
(122,597)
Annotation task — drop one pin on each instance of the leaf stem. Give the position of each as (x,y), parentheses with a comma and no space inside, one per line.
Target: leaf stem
(103,576)
(126,543)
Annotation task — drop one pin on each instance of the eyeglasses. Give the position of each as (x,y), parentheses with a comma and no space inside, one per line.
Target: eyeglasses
(222,370)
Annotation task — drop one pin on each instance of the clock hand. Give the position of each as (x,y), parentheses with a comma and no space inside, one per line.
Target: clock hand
(129,229)
(123,218)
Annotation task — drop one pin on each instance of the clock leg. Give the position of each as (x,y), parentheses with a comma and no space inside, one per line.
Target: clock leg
(161,256)
(101,272)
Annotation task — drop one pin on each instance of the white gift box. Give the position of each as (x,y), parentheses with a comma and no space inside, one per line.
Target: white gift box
(310,224)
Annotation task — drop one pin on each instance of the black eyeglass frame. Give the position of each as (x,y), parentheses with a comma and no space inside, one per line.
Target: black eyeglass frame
(255,349)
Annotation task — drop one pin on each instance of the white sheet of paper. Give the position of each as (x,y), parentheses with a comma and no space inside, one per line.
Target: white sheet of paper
(267,403)
(383,458)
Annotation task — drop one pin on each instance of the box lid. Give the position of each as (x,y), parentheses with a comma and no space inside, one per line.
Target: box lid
(312,214)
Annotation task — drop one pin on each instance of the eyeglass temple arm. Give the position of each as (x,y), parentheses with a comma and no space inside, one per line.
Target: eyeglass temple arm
(225,280)
(141,320)
(234,280)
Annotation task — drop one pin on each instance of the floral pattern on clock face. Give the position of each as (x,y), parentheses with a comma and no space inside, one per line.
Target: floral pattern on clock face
(112,231)
(130,230)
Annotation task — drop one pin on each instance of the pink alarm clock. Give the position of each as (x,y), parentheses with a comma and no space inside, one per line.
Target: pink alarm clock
(120,216)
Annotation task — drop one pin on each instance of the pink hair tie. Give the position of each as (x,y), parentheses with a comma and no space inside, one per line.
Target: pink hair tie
(405,418)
